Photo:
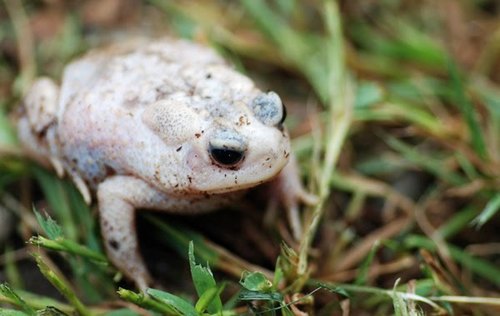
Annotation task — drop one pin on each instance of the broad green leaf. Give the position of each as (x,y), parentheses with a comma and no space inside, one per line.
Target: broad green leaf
(49,226)
(203,280)
(256,281)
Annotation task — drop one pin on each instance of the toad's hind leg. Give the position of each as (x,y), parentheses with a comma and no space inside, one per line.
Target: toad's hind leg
(38,126)
(37,123)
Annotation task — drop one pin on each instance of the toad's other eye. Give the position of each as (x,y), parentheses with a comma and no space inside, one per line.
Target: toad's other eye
(269,109)
(227,148)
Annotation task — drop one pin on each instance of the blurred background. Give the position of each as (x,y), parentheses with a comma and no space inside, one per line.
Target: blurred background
(394,111)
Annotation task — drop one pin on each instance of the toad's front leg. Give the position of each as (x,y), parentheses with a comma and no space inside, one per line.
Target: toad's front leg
(118,198)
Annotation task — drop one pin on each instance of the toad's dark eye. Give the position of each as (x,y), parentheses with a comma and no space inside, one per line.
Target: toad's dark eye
(283,118)
(226,157)
(227,148)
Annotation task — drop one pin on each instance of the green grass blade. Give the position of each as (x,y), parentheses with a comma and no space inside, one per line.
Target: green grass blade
(61,285)
(147,302)
(432,164)
(7,292)
(455,224)
(69,246)
(468,111)
(12,312)
(489,211)
(54,190)
(483,268)
(362,276)
(179,238)
(208,298)
(184,307)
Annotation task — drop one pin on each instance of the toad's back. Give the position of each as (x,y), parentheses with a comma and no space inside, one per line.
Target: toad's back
(104,96)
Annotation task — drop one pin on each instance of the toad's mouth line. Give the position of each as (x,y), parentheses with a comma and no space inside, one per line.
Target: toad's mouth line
(228,187)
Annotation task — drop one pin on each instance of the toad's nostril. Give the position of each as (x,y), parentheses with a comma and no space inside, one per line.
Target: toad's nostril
(227,148)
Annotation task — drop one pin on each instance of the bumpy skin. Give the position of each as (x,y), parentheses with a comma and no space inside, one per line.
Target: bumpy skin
(164,125)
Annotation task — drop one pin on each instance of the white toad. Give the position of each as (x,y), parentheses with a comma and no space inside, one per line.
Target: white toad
(164,125)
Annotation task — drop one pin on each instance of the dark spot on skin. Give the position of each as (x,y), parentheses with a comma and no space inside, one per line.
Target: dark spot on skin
(241,121)
(202,131)
(190,179)
(176,186)
(287,155)
(110,171)
(208,76)
(197,135)
(179,149)
(114,244)
(268,158)
(41,134)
